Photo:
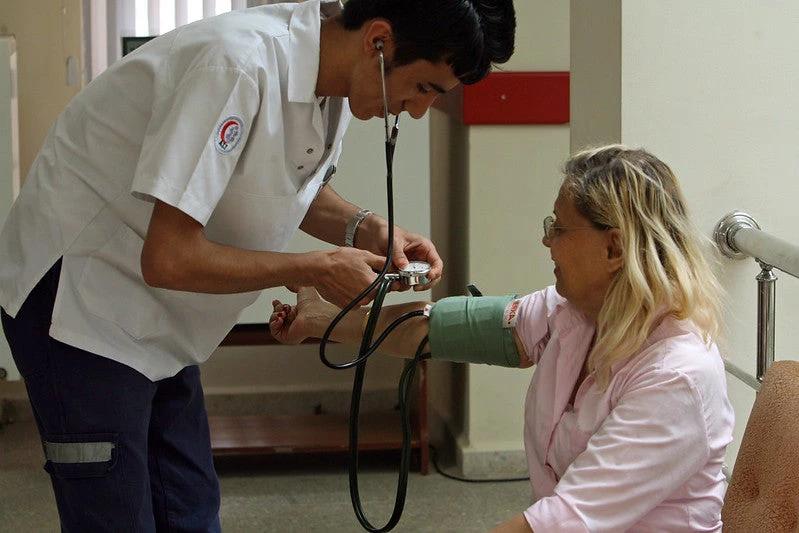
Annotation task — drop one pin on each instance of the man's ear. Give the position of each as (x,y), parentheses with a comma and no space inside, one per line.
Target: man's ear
(615,250)
(377,36)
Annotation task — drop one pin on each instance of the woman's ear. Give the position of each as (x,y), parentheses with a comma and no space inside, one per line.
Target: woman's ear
(615,250)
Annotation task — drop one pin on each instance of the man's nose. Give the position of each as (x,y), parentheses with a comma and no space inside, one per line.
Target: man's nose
(418,106)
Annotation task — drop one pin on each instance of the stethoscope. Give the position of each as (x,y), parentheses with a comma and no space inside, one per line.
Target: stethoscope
(413,275)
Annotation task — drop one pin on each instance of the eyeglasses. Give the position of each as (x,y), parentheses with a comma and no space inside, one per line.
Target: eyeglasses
(551,230)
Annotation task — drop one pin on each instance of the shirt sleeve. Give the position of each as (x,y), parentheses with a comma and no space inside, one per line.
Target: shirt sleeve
(652,442)
(195,138)
(532,320)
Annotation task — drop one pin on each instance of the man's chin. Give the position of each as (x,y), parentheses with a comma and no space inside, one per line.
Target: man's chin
(362,114)
(368,116)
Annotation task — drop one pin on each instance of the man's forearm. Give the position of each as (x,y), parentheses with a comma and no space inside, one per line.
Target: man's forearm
(327,217)
(176,255)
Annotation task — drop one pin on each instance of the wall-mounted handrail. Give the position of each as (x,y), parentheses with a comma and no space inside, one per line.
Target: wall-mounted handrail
(739,236)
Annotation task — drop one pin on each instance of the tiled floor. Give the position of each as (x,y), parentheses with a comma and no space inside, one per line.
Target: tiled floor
(281,494)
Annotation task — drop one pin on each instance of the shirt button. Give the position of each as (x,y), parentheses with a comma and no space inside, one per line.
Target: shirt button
(300,167)
(309,151)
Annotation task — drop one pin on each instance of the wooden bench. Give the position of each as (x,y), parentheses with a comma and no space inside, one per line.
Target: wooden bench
(254,435)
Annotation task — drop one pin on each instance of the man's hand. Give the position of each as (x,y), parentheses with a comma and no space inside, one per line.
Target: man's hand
(414,247)
(327,218)
(408,247)
(342,273)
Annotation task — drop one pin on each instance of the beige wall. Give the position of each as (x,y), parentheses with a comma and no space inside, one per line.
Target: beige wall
(47,33)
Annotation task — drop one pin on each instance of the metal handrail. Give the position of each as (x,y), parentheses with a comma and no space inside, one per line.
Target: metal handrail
(743,375)
(739,236)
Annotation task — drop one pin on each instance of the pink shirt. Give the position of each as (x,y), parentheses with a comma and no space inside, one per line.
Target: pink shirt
(646,454)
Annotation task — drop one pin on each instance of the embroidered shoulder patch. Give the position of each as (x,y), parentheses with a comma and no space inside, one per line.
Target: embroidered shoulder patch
(228,134)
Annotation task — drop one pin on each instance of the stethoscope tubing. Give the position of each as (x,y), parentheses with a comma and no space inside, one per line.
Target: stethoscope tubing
(391,143)
(381,284)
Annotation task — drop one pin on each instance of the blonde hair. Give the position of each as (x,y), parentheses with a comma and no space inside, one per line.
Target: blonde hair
(664,272)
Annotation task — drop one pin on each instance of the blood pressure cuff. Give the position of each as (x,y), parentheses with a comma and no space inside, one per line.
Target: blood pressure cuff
(469,329)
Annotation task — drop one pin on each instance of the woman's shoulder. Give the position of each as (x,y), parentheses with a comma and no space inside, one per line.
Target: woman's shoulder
(549,311)
(543,314)
(680,364)
(676,349)
(546,302)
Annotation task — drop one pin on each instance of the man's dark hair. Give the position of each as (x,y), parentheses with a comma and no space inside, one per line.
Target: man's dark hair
(470,35)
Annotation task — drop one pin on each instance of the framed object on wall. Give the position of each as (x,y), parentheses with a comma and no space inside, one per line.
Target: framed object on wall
(129,44)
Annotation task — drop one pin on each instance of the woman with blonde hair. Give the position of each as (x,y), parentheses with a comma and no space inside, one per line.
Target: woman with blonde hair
(627,417)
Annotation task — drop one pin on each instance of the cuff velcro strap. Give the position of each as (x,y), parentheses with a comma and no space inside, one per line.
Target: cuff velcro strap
(468,329)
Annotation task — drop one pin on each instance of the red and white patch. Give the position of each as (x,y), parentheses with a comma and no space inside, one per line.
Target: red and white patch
(228,134)
(510,314)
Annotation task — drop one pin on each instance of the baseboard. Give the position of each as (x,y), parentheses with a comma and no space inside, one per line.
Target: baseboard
(13,390)
(457,458)
(483,463)
(14,404)
(297,402)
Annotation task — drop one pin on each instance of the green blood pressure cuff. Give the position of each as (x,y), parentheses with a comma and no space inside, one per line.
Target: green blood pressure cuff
(469,329)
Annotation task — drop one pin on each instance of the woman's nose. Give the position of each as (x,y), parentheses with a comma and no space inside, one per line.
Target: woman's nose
(545,241)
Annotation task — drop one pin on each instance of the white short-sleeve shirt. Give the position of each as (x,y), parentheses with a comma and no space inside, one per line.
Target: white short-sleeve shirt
(644,455)
(218,118)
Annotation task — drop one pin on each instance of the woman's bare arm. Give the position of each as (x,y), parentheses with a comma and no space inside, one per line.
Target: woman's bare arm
(311,317)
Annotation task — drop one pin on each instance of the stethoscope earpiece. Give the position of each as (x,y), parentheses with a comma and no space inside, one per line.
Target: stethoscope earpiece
(391,134)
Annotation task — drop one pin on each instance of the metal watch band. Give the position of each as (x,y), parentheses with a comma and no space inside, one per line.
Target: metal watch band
(352,227)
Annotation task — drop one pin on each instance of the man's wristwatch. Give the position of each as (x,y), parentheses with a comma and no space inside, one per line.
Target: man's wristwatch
(352,227)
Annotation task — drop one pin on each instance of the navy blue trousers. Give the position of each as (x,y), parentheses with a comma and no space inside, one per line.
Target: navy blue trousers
(123,453)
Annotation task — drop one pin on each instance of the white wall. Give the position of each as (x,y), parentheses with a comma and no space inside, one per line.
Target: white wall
(711,88)
(719,103)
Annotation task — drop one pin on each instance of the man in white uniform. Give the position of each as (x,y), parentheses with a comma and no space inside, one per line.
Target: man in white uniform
(159,206)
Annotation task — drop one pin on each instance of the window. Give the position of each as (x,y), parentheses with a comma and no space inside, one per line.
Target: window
(108,21)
